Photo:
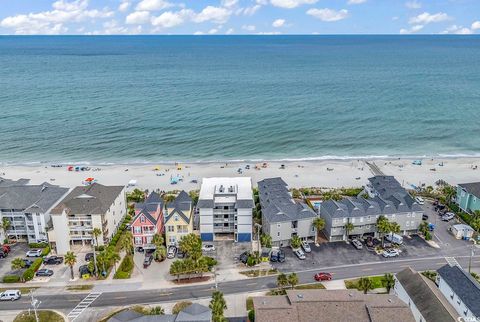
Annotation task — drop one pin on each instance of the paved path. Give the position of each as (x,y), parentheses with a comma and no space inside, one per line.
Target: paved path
(116,298)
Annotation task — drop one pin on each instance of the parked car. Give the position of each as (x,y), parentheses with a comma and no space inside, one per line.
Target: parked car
(3,254)
(147,261)
(140,249)
(357,244)
(390,253)
(83,270)
(420,200)
(44,272)
(425,217)
(6,249)
(88,257)
(27,262)
(323,277)
(281,256)
(208,248)
(306,247)
(274,255)
(42,240)
(10,295)
(180,254)
(172,251)
(34,253)
(369,242)
(53,260)
(300,254)
(243,257)
(448,216)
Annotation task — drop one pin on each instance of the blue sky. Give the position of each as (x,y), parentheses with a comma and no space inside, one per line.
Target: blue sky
(239,16)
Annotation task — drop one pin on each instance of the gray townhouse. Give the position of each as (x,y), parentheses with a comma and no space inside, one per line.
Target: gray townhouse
(282,217)
(386,197)
(27,208)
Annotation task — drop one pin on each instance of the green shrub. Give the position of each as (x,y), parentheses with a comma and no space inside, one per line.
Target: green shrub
(11,279)
(251,316)
(28,274)
(99,248)
(428,235)
(251,261)
(46,251)
(38,245)
(210,261)
(36,264)
(180,306)
(121,275)
(127,264)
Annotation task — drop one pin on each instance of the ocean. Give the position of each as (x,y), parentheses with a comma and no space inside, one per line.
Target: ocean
(147,99)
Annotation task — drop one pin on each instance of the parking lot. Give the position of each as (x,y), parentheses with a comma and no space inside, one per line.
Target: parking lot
(17,250)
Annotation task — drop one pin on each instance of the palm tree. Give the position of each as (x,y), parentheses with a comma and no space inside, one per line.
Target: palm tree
(319,224)
(18,263)
(394,227)
(157,240)
(449,193)
(95,233)
(282,280)
(5,225)
(365,284)
(383,227)
(160,253)
(70,260)
(348,229)
(157,310)
(169,198)
(127,242)
(191,245)
(388,282)
(176,269)
(296,242)
(266,240)
(218,305)
(292,280)
(115,258)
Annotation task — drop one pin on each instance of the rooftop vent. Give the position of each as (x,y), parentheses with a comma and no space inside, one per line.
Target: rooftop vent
(300,296)
(221,189)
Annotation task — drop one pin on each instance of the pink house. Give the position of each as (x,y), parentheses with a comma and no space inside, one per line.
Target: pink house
(148,220)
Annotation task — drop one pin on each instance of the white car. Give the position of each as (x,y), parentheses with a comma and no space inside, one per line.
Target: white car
(10,295)
(208,248)
(390,253)
(306,247)
(420,200)
(300,254)
(357,244)
(34,253)
(448,216)
(172,251)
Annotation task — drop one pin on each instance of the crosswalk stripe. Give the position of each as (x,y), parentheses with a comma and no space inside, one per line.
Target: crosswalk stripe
(85,303)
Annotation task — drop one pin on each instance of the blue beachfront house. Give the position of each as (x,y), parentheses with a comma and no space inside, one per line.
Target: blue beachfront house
(468,196)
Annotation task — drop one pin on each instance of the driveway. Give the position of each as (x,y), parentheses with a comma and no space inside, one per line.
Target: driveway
(17,250)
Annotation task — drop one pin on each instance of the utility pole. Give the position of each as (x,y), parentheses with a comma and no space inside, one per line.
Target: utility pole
(35,304)
(470,260)
(258,237)
(94,257)
(215,276)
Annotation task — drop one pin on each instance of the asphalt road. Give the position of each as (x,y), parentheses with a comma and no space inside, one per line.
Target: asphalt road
(69,301)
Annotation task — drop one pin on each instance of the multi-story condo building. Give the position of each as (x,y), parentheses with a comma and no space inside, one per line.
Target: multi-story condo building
(82,210)
(461,290)
(386,198)
(423,297)
(468,196)
(148,220)
(282,217)
(225,206)
(27,208)
(179,218)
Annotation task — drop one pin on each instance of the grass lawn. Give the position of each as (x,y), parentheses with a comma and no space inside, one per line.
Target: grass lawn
(314,286)
(79,287)
(259,272)
(249,304)
(353,284)
(43,316)
(23,290)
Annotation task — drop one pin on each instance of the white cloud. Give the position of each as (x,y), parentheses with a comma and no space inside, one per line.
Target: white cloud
(198,33)
(356,1)
(51,22)
(278,23)
(412,30)
(214,14)
(153,5)
(212,31)
(250,11)
(229,31)
(328,15)
(459,30)
(426,18)
(124,6)
(171,19)
(413,4)
(249,27)
(269,33)
(290,4)
(138,18)
(475,25)
(229,3)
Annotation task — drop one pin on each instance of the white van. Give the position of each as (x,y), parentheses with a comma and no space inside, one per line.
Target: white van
(420,200)
(10,295)
(394,238)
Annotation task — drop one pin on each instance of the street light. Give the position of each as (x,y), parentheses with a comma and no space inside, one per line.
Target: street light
(471,255)
(35,304)
(258,236)
(215,276)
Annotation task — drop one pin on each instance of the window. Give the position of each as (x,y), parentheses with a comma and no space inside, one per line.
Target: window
(408,214)
(344,220)
(278,234)
(138,240)
(142,219)
(361,219)
(278,225)
(313,228)
(353,220)
(462,193)
(175,218)
(137,230)
(408,223)
(369,218)
(170,228)
(393,216)
(413,215)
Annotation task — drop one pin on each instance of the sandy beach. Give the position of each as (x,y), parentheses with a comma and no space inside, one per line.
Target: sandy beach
(327,173)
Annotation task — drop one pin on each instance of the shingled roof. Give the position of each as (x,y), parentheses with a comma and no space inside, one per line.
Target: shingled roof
(21,196)
(92,199)
(472,188)
(182,203)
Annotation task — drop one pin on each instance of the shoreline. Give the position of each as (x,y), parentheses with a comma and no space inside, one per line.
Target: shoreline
(297,174)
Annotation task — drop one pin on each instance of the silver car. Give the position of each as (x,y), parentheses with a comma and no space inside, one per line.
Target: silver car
(306,247)
(357,244)
(300,254)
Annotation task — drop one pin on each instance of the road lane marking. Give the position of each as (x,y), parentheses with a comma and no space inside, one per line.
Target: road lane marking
(165,294)
(77,310)
(367,269)
(251,284)
(452,261)
(120,297)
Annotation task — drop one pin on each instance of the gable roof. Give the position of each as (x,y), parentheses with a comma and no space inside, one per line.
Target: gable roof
(426,297)
(194,313)
(30,197)
(92,199)
(464,285)
(4,182)
(472,188)
(182,203)
(277,203)
(147,215)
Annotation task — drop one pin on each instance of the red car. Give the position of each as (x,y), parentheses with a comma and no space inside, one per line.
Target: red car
(6,248)
(323,277)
